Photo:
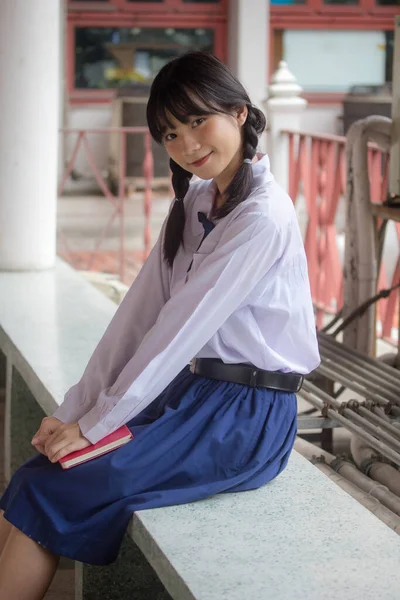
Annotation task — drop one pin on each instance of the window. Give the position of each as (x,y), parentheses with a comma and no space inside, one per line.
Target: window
(333,61)
(111,57)
(167,6)
(389,36)
(341,2)
(287,2)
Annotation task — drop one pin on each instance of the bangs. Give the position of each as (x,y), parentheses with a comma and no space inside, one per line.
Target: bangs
(180,101)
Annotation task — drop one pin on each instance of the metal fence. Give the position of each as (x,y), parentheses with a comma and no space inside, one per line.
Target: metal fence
(317,173)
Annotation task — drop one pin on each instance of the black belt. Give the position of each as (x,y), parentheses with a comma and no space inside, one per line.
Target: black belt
(246,375)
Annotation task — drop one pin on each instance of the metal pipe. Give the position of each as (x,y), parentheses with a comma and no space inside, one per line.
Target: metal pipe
(349,379)
(385,474)
(380,434)
(376,366)
(373,465)
(335,416)
(381,413)
(379,421)
(361,374)
(350,472)
(312,452)
(310,388)
(372,504)
(352,416)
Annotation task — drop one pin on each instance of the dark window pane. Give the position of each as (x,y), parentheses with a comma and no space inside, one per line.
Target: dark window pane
(341,2)
(287,2)
(389,35)
(111,57)
(388,2)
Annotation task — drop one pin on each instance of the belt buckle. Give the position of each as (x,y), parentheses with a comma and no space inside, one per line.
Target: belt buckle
(300,384)
(193,366)
(253,378)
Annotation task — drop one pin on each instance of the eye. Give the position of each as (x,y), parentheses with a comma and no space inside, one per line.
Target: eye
(169,137)
(198,122)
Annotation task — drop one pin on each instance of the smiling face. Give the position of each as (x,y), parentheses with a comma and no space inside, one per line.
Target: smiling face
(209,146)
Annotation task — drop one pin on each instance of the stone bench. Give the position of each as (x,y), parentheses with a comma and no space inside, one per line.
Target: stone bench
(299,537)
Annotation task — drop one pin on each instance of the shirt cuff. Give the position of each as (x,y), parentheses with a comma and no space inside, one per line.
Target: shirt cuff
(91,429)
(63,413)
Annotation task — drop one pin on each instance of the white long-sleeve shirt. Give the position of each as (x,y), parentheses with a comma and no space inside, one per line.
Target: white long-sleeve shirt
(245,299)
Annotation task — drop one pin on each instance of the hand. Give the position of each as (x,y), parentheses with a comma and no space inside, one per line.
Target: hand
(65,439)
(47,427)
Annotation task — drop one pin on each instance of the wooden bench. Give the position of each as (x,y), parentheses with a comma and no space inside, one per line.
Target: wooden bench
(300,537)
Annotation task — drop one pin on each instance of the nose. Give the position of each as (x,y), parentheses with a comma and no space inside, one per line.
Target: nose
(190,144)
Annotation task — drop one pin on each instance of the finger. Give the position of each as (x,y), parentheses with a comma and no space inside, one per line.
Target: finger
(46,428)
(40,448)
(60,441)
(67,449)
(40,438)
(37,436)
(59,435)
(52,446)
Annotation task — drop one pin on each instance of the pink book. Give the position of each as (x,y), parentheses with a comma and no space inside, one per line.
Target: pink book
(116,439)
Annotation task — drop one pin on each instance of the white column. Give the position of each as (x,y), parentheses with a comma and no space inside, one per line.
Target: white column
(29,109)
(394,174)
(248,46)
(284,111)
(63,93)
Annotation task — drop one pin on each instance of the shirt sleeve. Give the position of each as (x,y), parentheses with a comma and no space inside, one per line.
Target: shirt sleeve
(248,248)
(134,317)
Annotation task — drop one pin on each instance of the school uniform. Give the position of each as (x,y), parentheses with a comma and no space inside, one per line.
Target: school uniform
(238,293)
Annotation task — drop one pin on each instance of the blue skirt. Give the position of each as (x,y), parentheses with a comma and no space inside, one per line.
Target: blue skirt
(200,437)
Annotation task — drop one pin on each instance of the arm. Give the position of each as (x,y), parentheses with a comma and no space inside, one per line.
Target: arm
(248,248)
(134,317)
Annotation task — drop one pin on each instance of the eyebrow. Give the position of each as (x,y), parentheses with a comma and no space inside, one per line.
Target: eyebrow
(196,116)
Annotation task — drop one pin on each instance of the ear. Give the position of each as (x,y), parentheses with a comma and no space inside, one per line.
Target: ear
(241,115)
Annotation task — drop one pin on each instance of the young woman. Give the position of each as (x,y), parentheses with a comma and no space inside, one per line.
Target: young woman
(202,359)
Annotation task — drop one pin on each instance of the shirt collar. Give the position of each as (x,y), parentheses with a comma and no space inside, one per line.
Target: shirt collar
(204,201)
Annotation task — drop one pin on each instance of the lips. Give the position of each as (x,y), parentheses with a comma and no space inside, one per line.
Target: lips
(201,162)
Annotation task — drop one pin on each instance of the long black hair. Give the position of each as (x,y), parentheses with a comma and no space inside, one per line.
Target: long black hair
(198,83)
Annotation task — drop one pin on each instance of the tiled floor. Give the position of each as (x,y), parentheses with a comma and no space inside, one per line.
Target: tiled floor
(62,587)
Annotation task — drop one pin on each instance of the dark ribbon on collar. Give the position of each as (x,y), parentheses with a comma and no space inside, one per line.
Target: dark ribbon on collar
(208,226)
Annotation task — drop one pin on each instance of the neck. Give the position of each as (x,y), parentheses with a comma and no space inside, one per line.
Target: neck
(224,179)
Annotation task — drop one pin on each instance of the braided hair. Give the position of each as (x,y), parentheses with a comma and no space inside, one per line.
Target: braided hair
(198,83)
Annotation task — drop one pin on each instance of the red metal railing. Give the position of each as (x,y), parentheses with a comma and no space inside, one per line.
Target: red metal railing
(317,171)
(117,200)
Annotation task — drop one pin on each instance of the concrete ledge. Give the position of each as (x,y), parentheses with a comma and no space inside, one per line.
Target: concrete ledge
(50,323)
(299,537)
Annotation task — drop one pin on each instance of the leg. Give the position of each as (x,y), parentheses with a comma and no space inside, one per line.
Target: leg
(26,569)
(5,528)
